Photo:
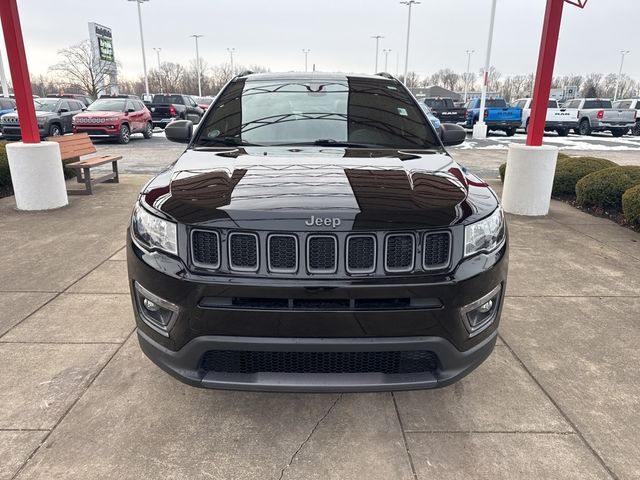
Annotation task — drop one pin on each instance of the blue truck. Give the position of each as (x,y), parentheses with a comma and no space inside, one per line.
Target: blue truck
(498,115)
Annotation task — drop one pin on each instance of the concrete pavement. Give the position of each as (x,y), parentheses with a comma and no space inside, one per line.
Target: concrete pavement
(559,397)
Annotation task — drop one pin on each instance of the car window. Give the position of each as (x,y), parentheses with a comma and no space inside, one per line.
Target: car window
(168,99)
(130,106)
(46,104)
(572,104)
(552,104)
(520,103)
(76,105)
(437,103)
(597,104)
(65,105)
(496,102)
(623,104)
(355,110)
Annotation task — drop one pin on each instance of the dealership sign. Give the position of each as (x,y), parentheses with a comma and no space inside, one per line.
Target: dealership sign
(101,39)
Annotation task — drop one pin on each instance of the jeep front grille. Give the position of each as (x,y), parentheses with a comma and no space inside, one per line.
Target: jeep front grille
(322,254)
(313,254)
(243,251)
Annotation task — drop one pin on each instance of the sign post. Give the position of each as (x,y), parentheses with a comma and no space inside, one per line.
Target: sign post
(531,167)
(36,167)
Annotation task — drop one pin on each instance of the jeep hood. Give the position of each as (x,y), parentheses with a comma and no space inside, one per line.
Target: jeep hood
(282,188)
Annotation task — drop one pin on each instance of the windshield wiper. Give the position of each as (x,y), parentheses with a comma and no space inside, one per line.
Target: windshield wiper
(330,142)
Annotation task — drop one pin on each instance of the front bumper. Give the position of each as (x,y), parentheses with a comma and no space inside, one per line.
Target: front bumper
(204,323)
(98,131)
(14,132)
(185,363)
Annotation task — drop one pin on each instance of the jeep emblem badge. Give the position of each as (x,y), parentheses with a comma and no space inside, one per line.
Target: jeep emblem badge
(326,222)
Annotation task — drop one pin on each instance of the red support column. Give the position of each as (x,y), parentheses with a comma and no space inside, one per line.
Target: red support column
(544,72)
(19,70)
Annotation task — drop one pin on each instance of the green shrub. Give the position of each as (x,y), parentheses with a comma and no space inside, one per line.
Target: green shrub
(605,188)
(569,170)
(631,205)
(5,175)
(502,168)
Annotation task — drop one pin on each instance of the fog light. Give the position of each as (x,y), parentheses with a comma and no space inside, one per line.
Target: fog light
(477,316)
(157,313)
(149,305)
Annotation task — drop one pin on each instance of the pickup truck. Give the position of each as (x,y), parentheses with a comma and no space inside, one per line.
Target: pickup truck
(558,119)
(165,108)
(632,104)
(445,110)
(497,115)
(597,115)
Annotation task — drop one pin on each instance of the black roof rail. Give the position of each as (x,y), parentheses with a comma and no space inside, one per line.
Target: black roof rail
(386,75)
(245,73)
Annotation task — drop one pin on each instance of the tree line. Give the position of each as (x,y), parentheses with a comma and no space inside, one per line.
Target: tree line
(77,71)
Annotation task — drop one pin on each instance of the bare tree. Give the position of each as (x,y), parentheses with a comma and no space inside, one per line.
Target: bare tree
(446,78)
(80,65)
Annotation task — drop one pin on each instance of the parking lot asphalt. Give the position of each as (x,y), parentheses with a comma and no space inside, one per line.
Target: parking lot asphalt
(558,399)
(482,157)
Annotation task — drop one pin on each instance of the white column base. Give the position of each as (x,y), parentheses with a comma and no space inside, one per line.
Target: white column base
(480,131)
(528,179)
(36,174)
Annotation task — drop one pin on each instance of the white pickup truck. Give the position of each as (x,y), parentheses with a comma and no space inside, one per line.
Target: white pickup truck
(630,104)
(558,119)
(598,115)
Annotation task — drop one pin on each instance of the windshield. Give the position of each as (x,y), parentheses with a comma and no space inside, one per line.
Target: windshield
(352,112)
(107,105)
(46,104)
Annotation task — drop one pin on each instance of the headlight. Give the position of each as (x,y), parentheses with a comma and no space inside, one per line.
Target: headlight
(153,232)
(485,235)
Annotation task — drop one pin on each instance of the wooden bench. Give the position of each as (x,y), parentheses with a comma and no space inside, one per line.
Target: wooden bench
(77,145)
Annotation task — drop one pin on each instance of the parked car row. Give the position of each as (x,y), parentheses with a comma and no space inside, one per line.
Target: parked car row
(581,115)
(114,116)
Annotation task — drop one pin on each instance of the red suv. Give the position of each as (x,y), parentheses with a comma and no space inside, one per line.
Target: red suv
(115,118)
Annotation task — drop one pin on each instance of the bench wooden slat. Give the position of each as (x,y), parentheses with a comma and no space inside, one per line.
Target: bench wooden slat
(77,145)
(72,146)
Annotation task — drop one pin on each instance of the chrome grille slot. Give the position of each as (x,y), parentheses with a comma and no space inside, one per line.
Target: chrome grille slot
(361,254)
(283,253)
(436,250)
(205,248)
(322,254)
(243,251)
(399,253)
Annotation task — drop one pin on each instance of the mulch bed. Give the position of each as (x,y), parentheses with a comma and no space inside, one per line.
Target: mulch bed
(6,192)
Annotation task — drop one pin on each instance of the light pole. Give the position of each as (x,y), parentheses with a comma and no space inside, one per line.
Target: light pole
(157,50)
(196,37)
(480,128)
(622,54)
(466,78)
(3,78)
(377,37)
(406,57)
(306,52)
(144,56)
(231,52)
(386,52)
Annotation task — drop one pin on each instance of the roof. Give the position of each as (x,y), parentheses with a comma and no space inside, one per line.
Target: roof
(323,76)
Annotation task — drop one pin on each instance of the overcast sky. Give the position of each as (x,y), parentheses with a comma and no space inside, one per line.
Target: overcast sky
(274,32)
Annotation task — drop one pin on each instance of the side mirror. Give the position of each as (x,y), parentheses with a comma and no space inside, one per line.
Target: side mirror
(179,131)
(452,134)
(63,110)
(130,110)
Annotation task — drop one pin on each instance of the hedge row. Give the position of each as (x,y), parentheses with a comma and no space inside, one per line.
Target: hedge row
(597,182)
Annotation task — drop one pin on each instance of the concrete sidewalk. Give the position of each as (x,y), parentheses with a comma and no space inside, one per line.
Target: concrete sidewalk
(558,399)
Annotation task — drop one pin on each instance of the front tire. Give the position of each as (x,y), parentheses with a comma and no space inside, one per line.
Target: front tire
(55,130)
(636,129)
(125,135)
(148,131)
(584,127)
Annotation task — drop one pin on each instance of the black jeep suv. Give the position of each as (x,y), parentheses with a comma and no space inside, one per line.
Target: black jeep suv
(316,236)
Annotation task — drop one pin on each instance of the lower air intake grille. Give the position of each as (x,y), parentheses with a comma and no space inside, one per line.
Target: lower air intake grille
(321,254)
(243,251)
(229,361)
(436,250)
(399,253)
(206,247)
(283,253)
